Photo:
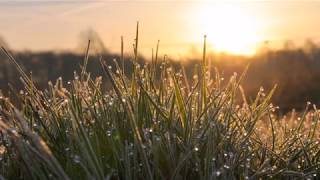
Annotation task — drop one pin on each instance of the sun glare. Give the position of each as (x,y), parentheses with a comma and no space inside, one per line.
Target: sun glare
(229,28)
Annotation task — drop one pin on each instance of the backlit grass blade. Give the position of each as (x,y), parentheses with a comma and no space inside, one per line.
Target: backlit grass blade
(180,103)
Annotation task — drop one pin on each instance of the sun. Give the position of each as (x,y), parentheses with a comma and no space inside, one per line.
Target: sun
(228,28)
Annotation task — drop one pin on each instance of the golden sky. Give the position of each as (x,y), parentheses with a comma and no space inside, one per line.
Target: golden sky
(236,26)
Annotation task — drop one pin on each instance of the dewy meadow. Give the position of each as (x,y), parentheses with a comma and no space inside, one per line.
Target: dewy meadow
(155,123)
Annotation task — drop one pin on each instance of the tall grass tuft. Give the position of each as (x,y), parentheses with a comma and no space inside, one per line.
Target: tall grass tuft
(144,127)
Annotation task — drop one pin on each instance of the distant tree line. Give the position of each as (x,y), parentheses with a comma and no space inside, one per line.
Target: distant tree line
(296,71)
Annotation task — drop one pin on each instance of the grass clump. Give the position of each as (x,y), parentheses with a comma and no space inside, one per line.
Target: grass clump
(153,125)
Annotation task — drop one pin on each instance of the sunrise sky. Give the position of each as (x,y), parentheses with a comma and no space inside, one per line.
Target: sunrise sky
(235,26)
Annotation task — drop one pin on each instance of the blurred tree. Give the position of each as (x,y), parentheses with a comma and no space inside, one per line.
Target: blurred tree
(310,47)
(264,47)
(289,45)
(96,44)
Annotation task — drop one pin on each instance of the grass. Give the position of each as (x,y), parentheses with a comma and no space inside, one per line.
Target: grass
(155,124)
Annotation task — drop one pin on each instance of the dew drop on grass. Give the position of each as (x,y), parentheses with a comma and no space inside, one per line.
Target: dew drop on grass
(35,125)
(196,149)
(76,159)
(13,131)
(157,138)
(261,89)
(50,175)
(218,173)
(226,166)
(231,154)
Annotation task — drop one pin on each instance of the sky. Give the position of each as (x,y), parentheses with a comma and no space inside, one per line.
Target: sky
(235,26)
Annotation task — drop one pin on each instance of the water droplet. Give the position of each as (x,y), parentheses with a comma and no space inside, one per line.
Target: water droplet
(50,175)
(226,166)
(76,159)
(218,173)
(196,149)
(158,138)
(261,89)
(35,125)
(13,131)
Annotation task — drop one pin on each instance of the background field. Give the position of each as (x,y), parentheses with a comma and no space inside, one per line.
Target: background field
(296,71)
